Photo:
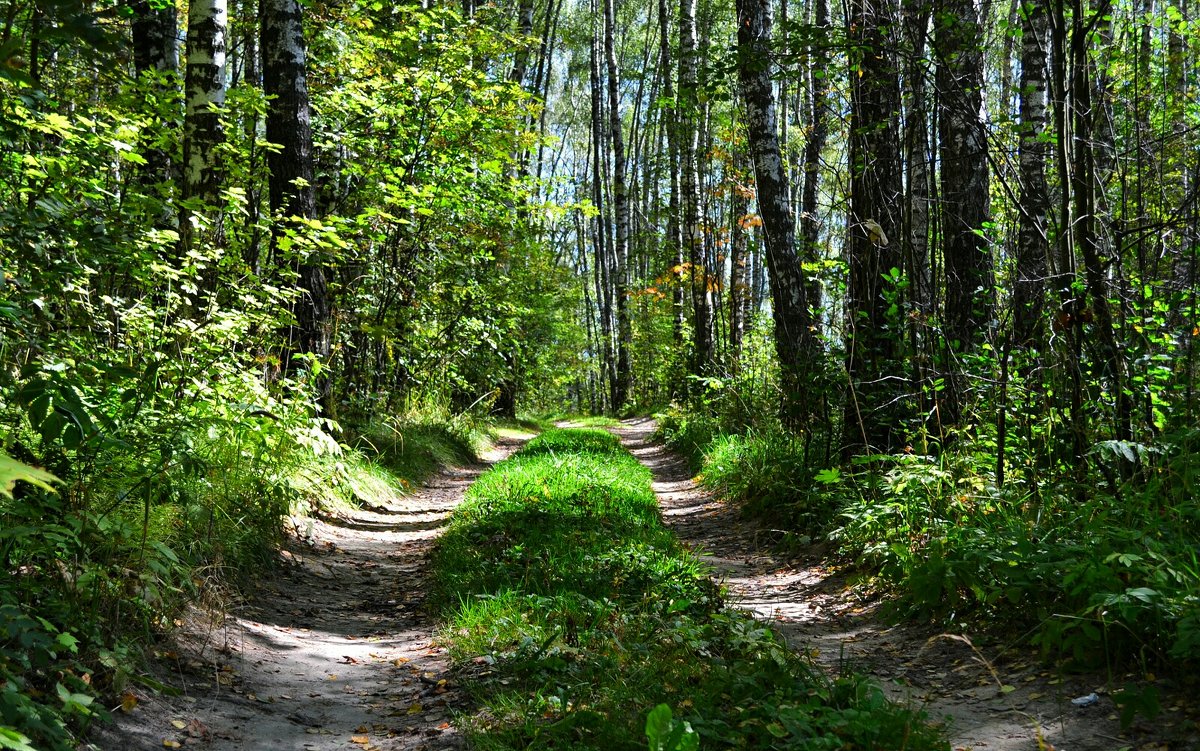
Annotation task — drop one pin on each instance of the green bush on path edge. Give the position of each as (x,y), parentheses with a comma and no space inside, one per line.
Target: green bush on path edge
(575,616)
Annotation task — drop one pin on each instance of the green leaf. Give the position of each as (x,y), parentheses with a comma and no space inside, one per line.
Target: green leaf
(658,727)
(12,470)
(11,739)
(829,476)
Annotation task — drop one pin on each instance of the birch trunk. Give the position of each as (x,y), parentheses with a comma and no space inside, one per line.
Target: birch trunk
(872,410)
(970,284)
(204,91)
(620,196)
(1029,286)
(693,239)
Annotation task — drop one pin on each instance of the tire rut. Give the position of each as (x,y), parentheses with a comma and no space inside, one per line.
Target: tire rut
(332,650)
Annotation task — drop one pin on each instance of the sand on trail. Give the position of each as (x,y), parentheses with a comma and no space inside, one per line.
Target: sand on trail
(814,609)
(334,650)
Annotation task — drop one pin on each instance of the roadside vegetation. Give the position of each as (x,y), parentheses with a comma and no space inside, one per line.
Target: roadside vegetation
(100,569)
(1095,565)
(574,615)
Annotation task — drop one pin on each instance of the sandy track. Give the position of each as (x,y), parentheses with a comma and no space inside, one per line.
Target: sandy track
(333,651)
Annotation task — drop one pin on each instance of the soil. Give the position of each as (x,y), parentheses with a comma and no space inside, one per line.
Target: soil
(991,695)
(332,650)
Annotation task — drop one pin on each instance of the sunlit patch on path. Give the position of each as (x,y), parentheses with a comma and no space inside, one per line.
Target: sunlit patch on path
(332,651)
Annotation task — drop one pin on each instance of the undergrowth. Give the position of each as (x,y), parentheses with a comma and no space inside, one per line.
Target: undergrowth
(574,612)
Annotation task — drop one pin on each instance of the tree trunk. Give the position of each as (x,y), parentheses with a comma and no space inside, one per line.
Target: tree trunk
(155,37)
(970,297)
(671,117)
(818,135)
(292,195)
(794,339)
(603,288)
(739,209)
(203,134)
(1088,153)
(524,31)
(156,51)
(872,333)
(693,238)
(1029,285)
(620,195)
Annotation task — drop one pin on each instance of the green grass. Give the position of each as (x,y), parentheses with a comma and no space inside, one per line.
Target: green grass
(558,575)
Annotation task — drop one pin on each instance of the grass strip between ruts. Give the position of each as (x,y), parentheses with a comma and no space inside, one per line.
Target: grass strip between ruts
(572,612)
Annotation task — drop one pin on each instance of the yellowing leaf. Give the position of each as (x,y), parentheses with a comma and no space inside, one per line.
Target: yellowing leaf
(128,702)
(179,724)
(361,740)
(172,744)
(415,708)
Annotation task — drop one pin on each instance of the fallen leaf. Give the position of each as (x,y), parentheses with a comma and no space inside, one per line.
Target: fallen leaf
(1007,689)
(178,724)
(128,702)
(172,744)
(415,708)
(361,740)
(1036,695)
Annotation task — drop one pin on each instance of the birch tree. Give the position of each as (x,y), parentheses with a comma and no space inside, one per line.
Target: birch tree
(964,196)
(204,90)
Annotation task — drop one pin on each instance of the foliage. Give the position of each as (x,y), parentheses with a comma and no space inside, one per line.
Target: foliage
(558,574)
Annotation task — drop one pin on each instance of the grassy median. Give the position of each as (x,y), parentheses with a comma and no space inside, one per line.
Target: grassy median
(573,612)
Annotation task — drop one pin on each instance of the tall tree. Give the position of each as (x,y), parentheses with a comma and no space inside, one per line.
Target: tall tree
(693,233)
(1032,251)
(204,90)
(794,338)
(964,198)
(292,193)
(872,335)
(674,240)
(620,202)
(739,208)
(155,37)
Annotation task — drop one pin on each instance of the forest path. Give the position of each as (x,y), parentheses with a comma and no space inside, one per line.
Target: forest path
(334,651)
(816,611)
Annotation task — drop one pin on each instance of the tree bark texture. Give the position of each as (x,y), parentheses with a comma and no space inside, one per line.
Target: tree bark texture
(970,284)
(205,88)
(872,333)
(794,339)
(693,234)
(1031,267)
(292,194)
(620,195)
